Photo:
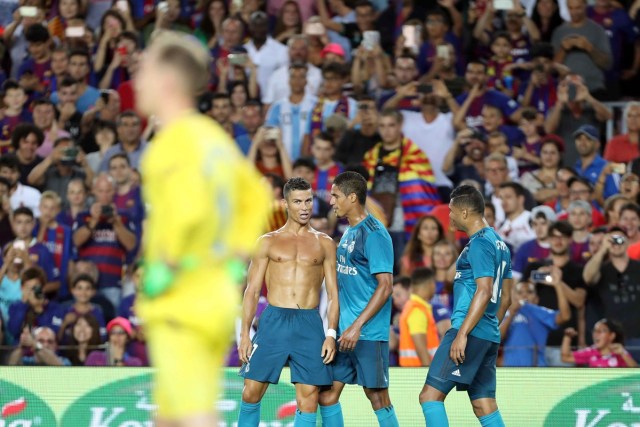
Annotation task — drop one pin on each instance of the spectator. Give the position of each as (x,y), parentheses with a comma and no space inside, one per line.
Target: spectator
(277,87)
(621,31)
(37,349)
(6,233)
(10,273)
(79,68)
(356,142)
(268,153)
(252,117)
(590,164)
(516,228)
(535,249)
(85,337)
(574,108)
(232,74)
(232,32)
(334,75)
(401,179)
(473,146)
(69,118)
(31,252)
(268,54)
(581,189)
(493,121)
(240,96)
(444,257)
(580,219)
(607,351)
(112,26)
(33,309)
(64,164)
(44,117)
(354,31)
(629,186)
(106,135)
(419,338)
(166,19)
(107,109)
(59,67)
(209,32)
(323,151)
(118,70)
(546,17)
(369,69)
(419,250)
(559,264)
(137,346)
(131,142)
(542,182)
(25,140)
(14,100)
(404,97)
(83,288)
(432,125)
(291,113)
(497,143)
(528,154)
(120,332)
(583,46)
(526,325)
(89,267)
(56,238)
(478,94)
(35,71)
(496,170)
(612,208)
(128,196)
(218,107)
(104,235)
(624,148)
(66,11)
(20,195)
(76,202)
(629,221)
(14,36)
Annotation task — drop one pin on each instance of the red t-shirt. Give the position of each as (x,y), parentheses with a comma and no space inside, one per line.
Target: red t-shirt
(620,149)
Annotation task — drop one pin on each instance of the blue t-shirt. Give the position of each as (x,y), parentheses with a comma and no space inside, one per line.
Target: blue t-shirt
(10,292)
(440,312)
(242,138)
(486,255)
(364,251)
(528,336)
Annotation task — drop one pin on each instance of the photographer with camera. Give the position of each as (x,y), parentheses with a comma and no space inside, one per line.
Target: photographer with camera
(614,277)
(558,267)
(105,235)
(37,348)
(34,309)
(64,164)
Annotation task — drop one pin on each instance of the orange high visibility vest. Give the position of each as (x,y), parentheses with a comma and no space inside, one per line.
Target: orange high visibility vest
(407,349)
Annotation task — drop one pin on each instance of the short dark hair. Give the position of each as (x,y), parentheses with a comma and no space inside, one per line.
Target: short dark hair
(80,52)
(34,272)
(120,156)
(43,101)
(298,65)
(10,85)
(615,327)
(63,139)
(221,95)
(393,112)
(22,131)
(516,187)
(83,277)
(421,275)
(438,12)
(365,97)
(295,184)
(475,60)
(490,206)
(581,180)
(128,35)
(467,196)
(630,207)
(67,81)
(127,114)
(335,68)
(304,162)
(9,161)
(37,33)
(562,227)
(23,210)
(364,3)
(403,281)
(325,136)
(358,168)
(352,183)
(529,114)
(501,35)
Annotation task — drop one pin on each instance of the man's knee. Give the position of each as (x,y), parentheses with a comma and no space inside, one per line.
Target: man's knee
(307,398)
(253,391)
(329,396)
(484,406)
(379,397)
(431,394)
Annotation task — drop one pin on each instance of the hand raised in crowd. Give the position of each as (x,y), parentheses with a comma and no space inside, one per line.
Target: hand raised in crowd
(617,348)
(570,332)
(26,339)
(440,89)
(408,90)
(475,91)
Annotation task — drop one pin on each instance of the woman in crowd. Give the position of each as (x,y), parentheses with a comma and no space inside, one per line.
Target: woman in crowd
(209,31)
(120,332)
(546,16)
(419,250)
(607,350)
(268,153)
(542,181)
(444,259)
(289,22)
(105,135)
(85,338)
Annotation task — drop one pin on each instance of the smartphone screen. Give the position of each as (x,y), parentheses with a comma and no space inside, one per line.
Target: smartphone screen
(502,4)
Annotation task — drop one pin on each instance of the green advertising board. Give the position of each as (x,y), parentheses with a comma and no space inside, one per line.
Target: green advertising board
(121,397)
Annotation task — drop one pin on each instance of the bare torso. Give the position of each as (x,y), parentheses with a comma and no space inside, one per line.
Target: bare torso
(295,269)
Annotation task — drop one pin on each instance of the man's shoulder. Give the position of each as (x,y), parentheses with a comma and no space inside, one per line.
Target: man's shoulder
(28,191)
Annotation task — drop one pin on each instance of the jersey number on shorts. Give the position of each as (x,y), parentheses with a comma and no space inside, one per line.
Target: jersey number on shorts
(494,293)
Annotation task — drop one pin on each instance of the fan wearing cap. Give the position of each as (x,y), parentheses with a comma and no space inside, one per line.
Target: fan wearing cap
(535,249)
(614,276)
(591,165)
(120,332)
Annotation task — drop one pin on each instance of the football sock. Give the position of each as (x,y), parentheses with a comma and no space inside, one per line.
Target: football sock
(332,415)
(304,419)
(435,414)
(387,417)
(494,419)
(249,414)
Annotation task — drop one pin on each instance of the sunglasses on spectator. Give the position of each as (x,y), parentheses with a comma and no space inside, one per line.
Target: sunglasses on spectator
(117,333)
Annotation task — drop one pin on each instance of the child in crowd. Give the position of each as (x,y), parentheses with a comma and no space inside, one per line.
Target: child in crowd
(14,99)
(499,66)
(83,288)
(528,154)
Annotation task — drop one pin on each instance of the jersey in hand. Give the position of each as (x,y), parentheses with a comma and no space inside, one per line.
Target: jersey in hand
(364,251)
(486,255)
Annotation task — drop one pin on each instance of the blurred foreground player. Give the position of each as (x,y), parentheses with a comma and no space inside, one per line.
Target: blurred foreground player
(207,207)
(466,358)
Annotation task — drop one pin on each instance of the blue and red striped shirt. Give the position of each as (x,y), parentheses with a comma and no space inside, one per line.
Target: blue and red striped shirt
(58,241)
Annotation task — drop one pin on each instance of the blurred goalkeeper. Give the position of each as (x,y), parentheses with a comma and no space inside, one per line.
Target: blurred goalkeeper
(207,207)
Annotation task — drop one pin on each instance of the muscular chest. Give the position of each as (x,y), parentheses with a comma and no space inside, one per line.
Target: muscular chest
(303,252)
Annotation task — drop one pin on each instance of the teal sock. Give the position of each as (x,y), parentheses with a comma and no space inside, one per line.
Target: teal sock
(387,417)
(331,416)
(494,419)
(249,414)
(435,414)
(304,419)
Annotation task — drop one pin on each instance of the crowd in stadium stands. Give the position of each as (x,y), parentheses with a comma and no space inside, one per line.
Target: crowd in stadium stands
(532,103)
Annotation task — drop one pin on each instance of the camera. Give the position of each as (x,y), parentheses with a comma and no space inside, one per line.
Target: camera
(69,155)
(239,59)
(618,240)
(422,88)
(107,211)
(538,276)
(37,292)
